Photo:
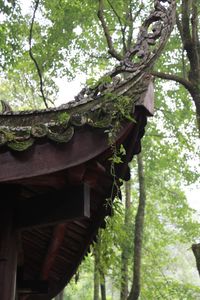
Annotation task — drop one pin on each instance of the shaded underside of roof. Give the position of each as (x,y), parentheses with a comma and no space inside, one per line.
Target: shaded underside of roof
(53,242)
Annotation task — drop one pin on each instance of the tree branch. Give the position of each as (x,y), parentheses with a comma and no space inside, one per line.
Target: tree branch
(194,21)
(195,36)
(187,39)
(186,83)
(132,20)
(32,56)
(111,48)
(129,19)
(179,26)
(123,28)
(168,137)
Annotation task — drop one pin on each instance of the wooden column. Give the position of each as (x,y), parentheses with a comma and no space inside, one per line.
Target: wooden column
(8,252)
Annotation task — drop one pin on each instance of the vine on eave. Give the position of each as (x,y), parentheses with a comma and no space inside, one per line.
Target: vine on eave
(123,110)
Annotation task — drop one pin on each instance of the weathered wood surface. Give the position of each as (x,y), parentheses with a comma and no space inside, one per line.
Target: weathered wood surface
(146,100)
(53,249)
(53,207)
(29,287)
(88,236)
(8,250)
(48,199)
(48,158)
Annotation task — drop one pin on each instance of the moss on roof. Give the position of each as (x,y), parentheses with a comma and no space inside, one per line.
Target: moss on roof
(19,130)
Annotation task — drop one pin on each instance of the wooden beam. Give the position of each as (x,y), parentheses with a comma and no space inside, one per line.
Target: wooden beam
(147,100)
(86,200)
(54,246)
(31,287)
(54,207)
(98,178)
(8,252)
(92,230)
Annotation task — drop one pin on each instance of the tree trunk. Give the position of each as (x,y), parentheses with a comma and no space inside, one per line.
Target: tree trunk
(96,274)
(60,296)
(196,97)
(103,287)
(188,26)
(139,225)
(196,251)
(125,255)
(191,44)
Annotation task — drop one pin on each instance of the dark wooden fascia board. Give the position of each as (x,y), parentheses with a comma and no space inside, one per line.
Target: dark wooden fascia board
(49,158)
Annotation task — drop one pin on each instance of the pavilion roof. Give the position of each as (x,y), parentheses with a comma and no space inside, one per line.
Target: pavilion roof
(61,182)
(56,163)
(116,101)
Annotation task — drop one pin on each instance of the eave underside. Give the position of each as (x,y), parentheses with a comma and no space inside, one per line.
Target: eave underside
(52,249)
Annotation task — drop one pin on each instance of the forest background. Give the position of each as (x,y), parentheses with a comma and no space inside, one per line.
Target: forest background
(145,252)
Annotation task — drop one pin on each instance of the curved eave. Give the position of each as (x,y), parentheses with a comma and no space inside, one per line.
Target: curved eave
(82,231)
(19,131)
(31,172)
(48,169)
(47,158)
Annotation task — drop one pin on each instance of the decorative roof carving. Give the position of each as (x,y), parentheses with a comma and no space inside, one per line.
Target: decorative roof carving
(96,106)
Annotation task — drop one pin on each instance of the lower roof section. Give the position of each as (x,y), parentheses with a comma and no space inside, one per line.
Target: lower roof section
(59,194)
